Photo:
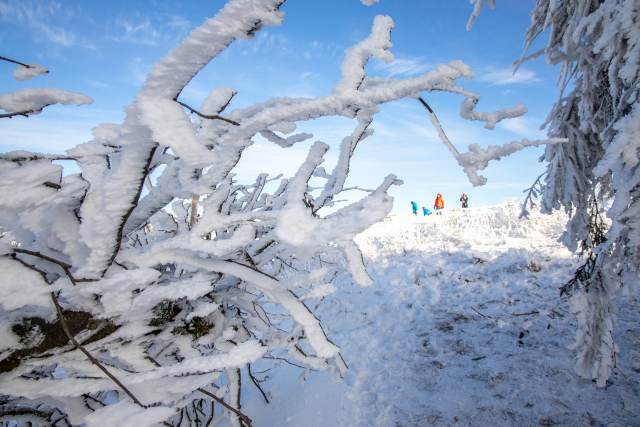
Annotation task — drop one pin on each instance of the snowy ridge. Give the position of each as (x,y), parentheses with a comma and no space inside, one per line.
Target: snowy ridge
(479,226)
(463,326)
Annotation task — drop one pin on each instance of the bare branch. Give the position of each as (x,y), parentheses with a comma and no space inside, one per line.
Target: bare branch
(244,417)
(208,116)
(93,360)
(256,383)
(13,61)
(25,113)
(65,267)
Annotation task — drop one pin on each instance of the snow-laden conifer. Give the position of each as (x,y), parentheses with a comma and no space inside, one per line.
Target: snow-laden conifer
(597,45)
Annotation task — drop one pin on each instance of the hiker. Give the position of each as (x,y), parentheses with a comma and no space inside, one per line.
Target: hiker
(464,200)
(425,211)
(439,203)
(414,207)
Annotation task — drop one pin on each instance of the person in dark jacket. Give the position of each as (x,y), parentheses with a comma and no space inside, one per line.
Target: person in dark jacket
(464,200)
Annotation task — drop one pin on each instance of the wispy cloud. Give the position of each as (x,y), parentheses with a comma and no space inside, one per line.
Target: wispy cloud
(526,127)
(58,129)
(38,17)
(267,41)
(321,50)
(406,66)
(506,76)
(139,69)
(148,30)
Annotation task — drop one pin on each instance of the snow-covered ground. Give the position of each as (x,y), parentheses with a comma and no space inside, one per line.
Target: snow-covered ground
(463,326)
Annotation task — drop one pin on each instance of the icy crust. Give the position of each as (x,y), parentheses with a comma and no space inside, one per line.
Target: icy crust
(34,100)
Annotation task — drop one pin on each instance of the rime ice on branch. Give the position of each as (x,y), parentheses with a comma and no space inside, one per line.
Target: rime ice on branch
(167,274)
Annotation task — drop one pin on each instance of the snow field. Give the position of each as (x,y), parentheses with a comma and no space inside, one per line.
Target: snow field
(462,326)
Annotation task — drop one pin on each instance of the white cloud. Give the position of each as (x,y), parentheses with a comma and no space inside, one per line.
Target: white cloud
(267,41)
(38,17)
(57,129)
(526,127)
(148,30)
(506,76)
(404,66)
(139,70)
(320,50)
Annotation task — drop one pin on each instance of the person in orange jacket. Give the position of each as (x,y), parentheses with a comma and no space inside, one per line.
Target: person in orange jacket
(439,203)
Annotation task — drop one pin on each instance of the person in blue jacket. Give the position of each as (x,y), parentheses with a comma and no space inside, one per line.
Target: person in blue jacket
(425,211)
(414,207)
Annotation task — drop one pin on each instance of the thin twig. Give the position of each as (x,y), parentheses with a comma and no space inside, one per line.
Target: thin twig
(284,360)
(93,360)
(4,58)
(24,113)
(530,313)
(65,267)
(424,103)
(244,418)
(483,315)
(208,116)
(256,382)
(32,267)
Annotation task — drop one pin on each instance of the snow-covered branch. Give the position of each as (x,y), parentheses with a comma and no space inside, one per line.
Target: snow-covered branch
(477,8)
(26,102)
(478,158)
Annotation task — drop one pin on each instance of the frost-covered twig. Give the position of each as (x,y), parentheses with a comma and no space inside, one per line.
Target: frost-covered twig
(78,346)
(208,116)
(477,158)
(255,382)
(26,102)
(25,71)
(244,417)
(532,193)
(477,8)
(65,267)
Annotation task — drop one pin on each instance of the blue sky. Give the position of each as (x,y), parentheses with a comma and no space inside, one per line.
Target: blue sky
(104,49)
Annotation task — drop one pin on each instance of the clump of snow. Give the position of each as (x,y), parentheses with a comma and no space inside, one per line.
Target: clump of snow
(128,415)
(25,73)
(21,286)
(36,99)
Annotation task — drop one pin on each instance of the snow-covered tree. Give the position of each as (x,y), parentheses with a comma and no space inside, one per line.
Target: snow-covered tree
(597,172)
(135,291)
